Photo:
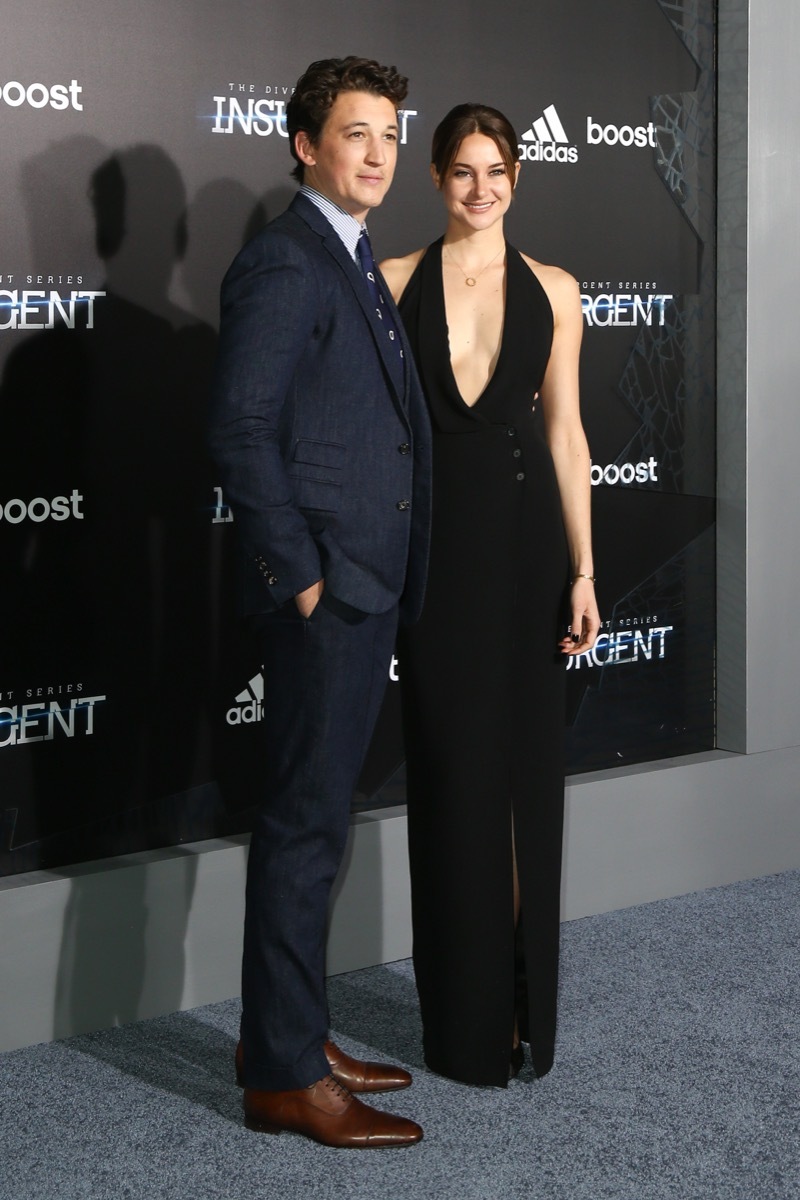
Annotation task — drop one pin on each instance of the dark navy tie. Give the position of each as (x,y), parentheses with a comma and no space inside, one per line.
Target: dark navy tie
(364,251)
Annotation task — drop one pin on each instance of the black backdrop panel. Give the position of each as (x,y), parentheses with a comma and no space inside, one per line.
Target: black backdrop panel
(140,147)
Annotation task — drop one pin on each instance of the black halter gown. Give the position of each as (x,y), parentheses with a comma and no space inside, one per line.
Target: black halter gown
(483,697)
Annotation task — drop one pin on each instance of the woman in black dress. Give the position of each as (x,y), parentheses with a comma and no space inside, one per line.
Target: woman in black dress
(496,337)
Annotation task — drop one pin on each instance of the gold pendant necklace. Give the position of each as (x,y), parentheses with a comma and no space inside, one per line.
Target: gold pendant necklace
(471,280)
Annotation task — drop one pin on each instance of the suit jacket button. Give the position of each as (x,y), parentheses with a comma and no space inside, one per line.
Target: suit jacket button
(521,476)
(403,505)
(404,448)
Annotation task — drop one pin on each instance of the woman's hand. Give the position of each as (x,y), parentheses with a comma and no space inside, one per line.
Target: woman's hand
(585,622)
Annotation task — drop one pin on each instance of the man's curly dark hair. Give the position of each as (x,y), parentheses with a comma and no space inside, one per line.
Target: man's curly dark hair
(318,87)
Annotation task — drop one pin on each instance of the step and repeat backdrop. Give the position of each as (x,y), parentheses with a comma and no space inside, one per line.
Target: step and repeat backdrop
(141,146)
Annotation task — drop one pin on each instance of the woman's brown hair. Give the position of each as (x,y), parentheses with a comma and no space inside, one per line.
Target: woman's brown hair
(465,119)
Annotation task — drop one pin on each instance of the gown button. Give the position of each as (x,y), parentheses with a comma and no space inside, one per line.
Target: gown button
(518,453)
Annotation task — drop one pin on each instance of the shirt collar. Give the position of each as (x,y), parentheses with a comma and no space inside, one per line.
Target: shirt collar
(347,227)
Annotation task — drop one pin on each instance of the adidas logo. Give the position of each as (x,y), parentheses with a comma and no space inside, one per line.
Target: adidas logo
(547,140)
(547,128)
(249,706)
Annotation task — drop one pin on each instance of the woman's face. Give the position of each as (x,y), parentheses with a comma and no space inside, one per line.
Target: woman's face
(476,188)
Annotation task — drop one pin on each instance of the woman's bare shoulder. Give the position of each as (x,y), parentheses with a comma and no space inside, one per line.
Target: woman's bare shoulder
(562,288)
(398,271)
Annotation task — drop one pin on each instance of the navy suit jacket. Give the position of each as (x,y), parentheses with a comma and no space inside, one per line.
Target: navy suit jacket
(325,460)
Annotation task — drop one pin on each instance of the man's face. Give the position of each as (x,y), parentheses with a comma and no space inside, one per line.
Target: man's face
(353,162)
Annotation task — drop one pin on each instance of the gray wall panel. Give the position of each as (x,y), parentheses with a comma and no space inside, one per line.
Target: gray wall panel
(773,367)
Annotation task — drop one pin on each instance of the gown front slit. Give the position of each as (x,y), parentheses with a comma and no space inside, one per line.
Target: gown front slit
(483,697)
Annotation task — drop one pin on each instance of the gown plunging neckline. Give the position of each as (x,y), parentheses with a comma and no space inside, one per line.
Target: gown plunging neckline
(500,349)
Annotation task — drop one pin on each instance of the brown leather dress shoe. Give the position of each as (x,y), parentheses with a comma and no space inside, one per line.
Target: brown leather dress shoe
(327,1113)
(353,1074)
(358,1076)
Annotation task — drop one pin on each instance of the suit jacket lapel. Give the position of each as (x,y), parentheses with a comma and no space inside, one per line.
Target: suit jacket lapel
(335,247)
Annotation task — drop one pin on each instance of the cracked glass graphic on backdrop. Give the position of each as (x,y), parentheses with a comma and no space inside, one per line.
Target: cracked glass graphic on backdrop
(668,380)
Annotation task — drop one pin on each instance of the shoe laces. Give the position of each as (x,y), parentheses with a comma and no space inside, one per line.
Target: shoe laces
(336,1088)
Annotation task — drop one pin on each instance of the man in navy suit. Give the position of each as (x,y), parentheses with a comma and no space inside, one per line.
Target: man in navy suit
(319,428)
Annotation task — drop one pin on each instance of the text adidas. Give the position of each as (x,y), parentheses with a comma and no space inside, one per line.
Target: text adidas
(548,152)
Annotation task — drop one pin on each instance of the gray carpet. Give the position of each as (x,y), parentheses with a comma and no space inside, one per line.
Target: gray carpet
(676,1077)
